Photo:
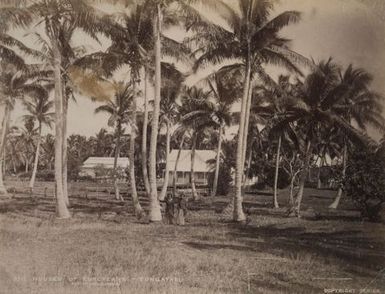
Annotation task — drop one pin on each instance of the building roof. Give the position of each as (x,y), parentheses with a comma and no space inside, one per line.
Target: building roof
(184,163)
(107,162)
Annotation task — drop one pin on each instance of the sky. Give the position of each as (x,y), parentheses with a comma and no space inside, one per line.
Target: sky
(350,31)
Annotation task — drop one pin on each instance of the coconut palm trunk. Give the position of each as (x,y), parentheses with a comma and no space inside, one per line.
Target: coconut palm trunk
(246,133)
(302,180)
(116,156)
(238,214)
(134,194)
(166,175)
(4,130)
(319,182)
(276,204)
(176,164)
(337,200)
(155,213)
(144,135)
(217,163)
(36,161)
(61,207)
(65,147)
(193,187)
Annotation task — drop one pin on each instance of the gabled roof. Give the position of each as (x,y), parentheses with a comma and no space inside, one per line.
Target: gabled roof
(107,162)
(184,163)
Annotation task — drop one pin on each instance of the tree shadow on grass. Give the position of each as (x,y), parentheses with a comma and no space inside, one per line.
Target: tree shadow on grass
(283,286)
(38,205)
(213,246)
(350,247)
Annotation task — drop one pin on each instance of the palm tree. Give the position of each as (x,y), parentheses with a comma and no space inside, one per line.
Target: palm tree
(329,144)
(316,108)
(272,103)
(26,141)
(57,17)
(224,85)
(137,207)
(171,85)
(48,154)
(198,114)
(144,134)
(159,13)
(359,105)
(253,40)
(15,84)
(102,143)
(119,112)
(11,149)
(141,34)
(122,111)
(38,108)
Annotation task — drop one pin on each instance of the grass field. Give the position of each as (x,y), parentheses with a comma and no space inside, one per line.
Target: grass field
(104,249)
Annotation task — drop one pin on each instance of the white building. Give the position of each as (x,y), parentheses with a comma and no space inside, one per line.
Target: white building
(93,163)
(201,168)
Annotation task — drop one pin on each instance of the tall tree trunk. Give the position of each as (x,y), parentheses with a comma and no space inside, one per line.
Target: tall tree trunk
(3,189)
(5,160)
(276,204)
(248,167)
(166,175)
(193,148)
(319,183)
(238,214)
(336,201)
(245,136)
(65,145)
(14,164)
(302,181)
(176,164)
(134,194)
(291,196)
(155,214)
(36,162)
(217,163)
(116,156)
(144,135)
(4,130)
(61,207)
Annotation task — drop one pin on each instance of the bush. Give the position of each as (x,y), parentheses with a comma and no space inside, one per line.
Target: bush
(25,175)
(45,175)
(224,180)
(365,182)
(283,178)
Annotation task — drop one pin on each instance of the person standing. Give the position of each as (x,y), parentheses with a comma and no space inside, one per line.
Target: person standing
(169,212)
(182,209)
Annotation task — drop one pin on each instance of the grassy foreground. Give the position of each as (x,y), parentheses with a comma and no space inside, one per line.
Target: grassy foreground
(104,249)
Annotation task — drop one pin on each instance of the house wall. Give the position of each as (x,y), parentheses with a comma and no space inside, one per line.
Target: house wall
(183,178)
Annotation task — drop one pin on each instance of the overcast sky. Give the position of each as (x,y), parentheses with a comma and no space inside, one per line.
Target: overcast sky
(351,31)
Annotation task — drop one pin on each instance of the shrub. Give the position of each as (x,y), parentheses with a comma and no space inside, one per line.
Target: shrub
(224,180)
(283,178)
(46,175)
(365,182)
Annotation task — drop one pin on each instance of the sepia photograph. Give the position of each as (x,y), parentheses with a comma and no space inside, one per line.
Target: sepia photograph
(192,146)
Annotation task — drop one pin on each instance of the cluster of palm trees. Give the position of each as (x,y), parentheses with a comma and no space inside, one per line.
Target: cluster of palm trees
(296,111)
